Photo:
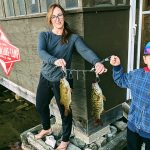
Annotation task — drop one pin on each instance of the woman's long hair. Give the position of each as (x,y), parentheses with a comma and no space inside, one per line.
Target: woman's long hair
(67,30)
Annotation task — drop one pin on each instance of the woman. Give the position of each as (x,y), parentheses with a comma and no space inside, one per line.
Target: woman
(55,48)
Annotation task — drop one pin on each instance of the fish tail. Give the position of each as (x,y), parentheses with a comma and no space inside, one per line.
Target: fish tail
(98,122)
(67,111)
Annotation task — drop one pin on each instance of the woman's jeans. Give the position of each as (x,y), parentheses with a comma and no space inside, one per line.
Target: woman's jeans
(45,91)
(135,141)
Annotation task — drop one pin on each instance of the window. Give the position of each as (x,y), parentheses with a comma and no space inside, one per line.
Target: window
(146,5)
(32,6)
(25,7)
(100,2)
(1,10)
(110,2)
(148,2)
(68,3)
(121,2)
(45,4)
(9,8)
(71,3)
(19,6)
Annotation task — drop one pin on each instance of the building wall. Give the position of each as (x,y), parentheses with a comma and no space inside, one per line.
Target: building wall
(23,33)
(104,30)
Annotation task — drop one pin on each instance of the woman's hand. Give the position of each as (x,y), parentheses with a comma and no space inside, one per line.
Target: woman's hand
(60,63)
(100,68)
(114,60)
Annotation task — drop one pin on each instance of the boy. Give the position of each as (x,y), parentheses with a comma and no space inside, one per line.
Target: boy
(138,81)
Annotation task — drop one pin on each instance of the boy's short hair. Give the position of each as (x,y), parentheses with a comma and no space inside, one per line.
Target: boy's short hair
(147,49)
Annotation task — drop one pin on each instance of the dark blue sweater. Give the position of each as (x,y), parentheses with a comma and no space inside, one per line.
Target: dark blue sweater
(50,49)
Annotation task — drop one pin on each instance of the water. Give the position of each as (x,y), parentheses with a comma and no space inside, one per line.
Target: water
(16,116)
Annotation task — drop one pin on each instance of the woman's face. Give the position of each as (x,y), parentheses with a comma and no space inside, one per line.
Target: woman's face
(57,18)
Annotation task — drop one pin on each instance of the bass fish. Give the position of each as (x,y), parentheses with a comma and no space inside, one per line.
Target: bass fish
(65,95)
(97,100)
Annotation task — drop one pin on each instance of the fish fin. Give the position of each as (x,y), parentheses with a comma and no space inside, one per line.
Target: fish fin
(67,111)
(104,98)
(103,112)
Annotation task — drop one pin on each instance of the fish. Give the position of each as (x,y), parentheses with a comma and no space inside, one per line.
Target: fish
(65,95)
(97,102)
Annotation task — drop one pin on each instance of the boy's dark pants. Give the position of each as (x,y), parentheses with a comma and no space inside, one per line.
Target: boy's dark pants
(45,91)
(134,141)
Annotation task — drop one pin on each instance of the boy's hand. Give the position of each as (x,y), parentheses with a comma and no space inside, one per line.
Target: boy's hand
(114,60)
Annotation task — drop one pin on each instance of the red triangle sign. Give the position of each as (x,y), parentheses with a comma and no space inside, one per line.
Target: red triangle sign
(9,54)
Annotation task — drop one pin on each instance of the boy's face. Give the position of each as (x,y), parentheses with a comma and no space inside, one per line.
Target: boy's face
(147,60)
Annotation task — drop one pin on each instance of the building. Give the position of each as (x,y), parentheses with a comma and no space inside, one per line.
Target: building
(107,26)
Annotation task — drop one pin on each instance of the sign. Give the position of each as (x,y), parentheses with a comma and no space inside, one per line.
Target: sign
(9,54)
